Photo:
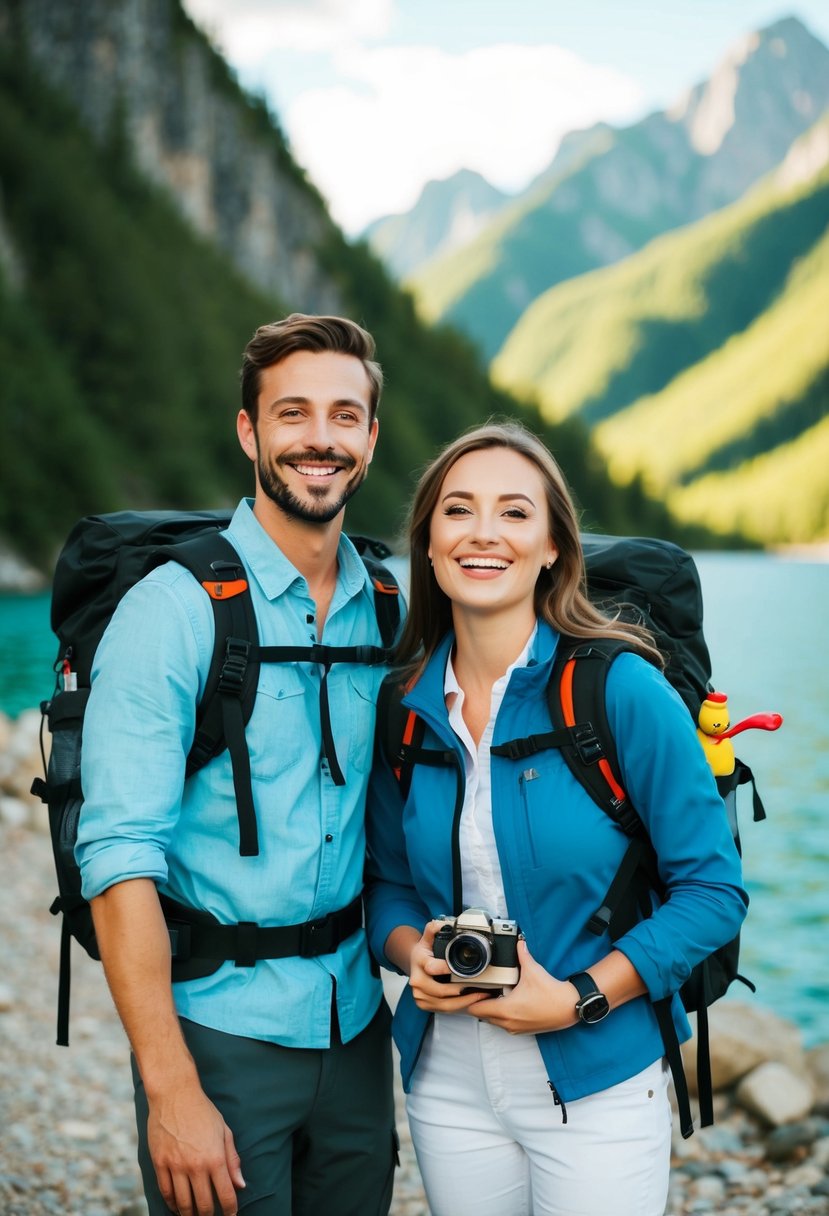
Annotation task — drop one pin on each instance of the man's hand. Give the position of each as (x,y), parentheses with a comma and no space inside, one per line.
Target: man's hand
(193,1153)
(429,993)
(538,1002)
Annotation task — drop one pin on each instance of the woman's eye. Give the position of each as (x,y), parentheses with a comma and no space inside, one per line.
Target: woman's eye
(515,513)
(456,508)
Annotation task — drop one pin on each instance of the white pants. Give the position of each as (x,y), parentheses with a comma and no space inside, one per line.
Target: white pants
(490,1140)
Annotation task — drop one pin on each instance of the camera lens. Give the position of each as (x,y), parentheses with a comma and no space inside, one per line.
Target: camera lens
(468,954)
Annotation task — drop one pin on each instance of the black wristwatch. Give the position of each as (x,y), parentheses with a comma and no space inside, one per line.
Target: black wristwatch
(592,1005)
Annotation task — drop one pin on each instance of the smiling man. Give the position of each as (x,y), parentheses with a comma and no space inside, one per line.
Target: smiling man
(263,1083)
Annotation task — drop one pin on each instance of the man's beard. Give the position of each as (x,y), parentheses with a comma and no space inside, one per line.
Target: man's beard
(321,512)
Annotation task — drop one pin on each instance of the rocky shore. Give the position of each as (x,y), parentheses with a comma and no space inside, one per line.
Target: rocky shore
(68,1139)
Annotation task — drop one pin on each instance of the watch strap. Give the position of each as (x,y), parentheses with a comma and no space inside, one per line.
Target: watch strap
(584,983)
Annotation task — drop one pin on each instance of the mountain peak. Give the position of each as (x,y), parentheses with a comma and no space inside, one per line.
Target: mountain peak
(774,60)
(449,212)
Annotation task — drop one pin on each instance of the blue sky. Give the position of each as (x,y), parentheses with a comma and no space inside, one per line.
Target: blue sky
(379,96)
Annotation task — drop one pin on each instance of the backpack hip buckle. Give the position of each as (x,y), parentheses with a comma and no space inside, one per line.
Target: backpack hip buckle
(316,937)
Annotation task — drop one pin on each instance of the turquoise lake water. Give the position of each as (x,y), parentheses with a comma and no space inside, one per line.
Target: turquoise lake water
(766,624)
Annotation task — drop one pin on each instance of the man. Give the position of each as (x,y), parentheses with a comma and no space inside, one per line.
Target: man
(264,1088)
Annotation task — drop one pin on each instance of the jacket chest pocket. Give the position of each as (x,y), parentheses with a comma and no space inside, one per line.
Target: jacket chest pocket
(563,829)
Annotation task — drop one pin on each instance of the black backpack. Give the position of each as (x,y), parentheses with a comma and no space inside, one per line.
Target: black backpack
(102,558)
(653,583)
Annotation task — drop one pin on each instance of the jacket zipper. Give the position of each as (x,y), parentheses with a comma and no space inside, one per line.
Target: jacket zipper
(460,792)
(529,774)
(558,1101)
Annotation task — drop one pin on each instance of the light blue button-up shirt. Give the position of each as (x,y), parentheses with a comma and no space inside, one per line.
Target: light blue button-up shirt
(142,820)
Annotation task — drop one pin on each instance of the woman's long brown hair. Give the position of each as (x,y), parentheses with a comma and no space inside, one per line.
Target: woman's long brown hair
(560,593)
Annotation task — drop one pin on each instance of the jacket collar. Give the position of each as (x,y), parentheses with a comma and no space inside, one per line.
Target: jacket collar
(427,694)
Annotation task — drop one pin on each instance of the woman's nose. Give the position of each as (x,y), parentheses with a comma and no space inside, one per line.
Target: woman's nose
(485,528)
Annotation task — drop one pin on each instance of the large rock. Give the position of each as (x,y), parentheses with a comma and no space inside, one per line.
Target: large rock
(742,1038)
(775,1094)
(817,1068)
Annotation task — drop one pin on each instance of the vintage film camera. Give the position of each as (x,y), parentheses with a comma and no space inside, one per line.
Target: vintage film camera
(481,951)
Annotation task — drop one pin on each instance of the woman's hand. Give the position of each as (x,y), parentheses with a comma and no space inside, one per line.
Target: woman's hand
(538,1002)
(429,992)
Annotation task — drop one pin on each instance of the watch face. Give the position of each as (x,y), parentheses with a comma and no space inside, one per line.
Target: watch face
(593,1008)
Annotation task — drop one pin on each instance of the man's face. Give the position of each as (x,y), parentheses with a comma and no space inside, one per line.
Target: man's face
(313,441)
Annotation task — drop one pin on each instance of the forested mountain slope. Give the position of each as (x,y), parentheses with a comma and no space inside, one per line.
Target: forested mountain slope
(137,183)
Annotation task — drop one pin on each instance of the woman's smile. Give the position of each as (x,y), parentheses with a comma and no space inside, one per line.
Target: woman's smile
(490,532)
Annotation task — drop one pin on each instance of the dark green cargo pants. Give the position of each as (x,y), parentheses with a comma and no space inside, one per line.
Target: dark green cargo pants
(314,1128)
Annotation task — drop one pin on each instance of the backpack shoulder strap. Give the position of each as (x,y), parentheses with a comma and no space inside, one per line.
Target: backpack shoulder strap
(576,700)
(230,688)
(400,734)
(385,585)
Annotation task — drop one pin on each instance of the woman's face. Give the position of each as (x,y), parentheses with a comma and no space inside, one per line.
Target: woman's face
(489,535)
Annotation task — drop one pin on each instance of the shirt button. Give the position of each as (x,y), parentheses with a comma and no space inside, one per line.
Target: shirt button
(328,837)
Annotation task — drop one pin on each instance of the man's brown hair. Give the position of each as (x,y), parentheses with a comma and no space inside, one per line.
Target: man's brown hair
(274,342)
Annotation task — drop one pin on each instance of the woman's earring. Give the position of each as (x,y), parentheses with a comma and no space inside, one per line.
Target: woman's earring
(549,565)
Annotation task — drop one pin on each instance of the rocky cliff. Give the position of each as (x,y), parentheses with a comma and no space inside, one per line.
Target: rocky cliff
(142,63)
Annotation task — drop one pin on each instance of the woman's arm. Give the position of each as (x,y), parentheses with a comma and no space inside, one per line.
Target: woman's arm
(541,1002)
(672,788)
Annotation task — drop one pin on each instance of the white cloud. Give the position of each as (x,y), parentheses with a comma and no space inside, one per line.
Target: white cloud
(403,115)
(248,30)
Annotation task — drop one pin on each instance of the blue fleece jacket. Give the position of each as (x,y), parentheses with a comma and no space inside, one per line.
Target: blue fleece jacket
(559,853)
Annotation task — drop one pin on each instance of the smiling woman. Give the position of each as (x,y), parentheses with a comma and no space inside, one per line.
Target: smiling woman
(489,542)
(509,1105)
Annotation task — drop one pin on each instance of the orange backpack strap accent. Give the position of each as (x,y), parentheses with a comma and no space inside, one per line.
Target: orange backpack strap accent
(225,590)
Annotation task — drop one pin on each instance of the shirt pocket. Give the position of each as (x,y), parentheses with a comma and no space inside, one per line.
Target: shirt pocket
(362,687)
(281,728)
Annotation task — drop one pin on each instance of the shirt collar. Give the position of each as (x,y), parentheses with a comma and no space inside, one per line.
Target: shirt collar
(270,567)
(451,685)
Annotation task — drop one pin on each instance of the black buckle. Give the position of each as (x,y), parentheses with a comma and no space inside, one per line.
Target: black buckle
(586,743)
(179,932)
(627,818)
(599,922)
(517,749)
(223,570)
(232,675)
(317,937)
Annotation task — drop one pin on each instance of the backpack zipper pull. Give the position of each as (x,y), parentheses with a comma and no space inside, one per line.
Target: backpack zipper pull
(70,677)
(558,1101)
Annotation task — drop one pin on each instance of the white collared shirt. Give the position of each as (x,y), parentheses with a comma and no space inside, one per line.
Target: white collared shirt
(483,886)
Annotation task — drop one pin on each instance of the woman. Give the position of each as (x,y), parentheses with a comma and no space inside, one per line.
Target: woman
(516,1103)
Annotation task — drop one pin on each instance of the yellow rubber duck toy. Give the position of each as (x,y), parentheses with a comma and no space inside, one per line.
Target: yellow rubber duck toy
(714,734)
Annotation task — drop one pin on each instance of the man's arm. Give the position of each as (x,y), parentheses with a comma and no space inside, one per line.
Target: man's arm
(191,1146)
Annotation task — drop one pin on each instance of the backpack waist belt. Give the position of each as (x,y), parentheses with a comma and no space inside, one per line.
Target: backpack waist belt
(196,935)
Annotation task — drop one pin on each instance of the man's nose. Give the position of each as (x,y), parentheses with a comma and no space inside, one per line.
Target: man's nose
(318,433)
